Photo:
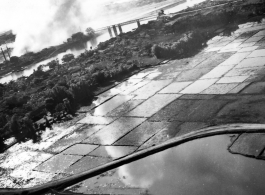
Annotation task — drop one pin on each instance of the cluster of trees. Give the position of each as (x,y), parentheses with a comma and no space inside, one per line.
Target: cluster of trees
(189,42)
(44,92)
(7,36)
(31,57)
(230,16)
(74,81)
(80,36)
(20,128)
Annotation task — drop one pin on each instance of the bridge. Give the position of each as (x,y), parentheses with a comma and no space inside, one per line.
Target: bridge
(154,15)
(151,16)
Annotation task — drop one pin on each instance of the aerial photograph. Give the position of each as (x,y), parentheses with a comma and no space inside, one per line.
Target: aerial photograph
(132,97)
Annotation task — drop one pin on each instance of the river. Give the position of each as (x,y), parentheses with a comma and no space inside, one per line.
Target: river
(103,37)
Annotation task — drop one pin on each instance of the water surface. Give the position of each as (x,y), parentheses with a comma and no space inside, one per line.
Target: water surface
(104,36)
(199,167)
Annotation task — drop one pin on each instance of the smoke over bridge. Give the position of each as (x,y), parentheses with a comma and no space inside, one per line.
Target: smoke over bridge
(42,23)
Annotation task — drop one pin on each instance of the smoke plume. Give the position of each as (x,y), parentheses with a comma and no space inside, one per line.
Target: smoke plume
(43,23)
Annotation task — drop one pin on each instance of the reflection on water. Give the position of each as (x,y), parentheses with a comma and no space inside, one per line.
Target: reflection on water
(108,106)
(119,89)
(199,167)
(113,152)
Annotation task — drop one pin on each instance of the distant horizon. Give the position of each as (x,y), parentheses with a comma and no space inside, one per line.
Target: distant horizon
(43,23)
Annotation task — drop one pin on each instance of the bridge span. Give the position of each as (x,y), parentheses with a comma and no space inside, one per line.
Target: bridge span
(117,28)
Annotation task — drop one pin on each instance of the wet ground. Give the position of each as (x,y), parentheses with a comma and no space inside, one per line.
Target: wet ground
(199,167)
(222,84)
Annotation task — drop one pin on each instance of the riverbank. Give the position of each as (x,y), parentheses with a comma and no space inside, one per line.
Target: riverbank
(7,69)
(79,78)
(223,82)
(16,64)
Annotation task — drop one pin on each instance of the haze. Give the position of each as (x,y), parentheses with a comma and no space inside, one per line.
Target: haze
(42,23)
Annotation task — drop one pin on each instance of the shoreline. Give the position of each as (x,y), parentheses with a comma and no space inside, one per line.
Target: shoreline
(79,78)
(119,89)
(59,49)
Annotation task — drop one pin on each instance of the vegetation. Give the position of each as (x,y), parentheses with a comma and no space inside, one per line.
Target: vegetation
(17,63)
(76,79)
(7,36)
(80,36)
(67,58)
(187,43)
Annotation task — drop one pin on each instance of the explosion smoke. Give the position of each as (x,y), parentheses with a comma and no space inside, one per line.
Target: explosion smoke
(42,23)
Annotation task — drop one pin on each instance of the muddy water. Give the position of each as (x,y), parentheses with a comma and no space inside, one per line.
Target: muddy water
(199,167)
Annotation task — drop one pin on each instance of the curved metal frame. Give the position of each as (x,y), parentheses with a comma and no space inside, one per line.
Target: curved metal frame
(205,132)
